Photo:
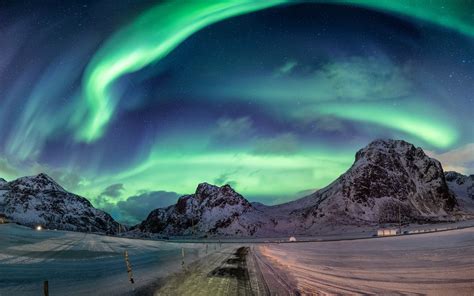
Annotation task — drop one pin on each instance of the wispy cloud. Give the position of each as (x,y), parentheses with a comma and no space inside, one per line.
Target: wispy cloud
(233,128)
(460,159)
(286,143)
(286,68)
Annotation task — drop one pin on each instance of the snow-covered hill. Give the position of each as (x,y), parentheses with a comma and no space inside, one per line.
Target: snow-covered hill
(210,210)
(39,200)
(388,178)
(463,188)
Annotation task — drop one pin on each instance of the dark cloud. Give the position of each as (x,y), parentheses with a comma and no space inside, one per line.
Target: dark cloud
(225,178)
(107,207)
(136,208)
(114,190)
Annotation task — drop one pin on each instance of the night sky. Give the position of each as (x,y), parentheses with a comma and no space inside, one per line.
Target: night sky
(132,103)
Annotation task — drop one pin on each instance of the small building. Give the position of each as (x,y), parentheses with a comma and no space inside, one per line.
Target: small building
(3,219)
(292,239)
(387,231)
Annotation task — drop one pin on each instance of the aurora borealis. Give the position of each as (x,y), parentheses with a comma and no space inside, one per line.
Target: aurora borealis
(140,100)
(147,39)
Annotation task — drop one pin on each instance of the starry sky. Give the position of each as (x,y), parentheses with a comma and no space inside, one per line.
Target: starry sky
(133,103)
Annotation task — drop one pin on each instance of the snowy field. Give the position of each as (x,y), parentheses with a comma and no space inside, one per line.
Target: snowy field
(439,263)
(83,264)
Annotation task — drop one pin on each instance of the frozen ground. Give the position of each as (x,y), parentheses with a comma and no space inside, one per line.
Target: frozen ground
(83,264)
(439,263)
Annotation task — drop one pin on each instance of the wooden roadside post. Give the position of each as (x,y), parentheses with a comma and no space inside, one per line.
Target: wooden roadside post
(206,248)
(129,267)
(46,288)
(182,257)
(399,219)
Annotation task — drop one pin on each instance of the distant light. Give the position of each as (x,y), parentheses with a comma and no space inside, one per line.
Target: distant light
(39,228)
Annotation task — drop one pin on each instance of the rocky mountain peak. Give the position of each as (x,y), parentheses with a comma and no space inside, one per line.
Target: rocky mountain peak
(210,210)
(388,147)
(204,190)
(42,177)
(459,178)
(387,175)
(393,168)
(38,183)
(212,195)
(463,187)
(452,175)
(39,200)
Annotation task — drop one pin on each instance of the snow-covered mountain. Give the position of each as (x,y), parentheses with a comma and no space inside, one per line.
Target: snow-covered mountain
(388,178)
(463,188)
(210,210)
(39,200)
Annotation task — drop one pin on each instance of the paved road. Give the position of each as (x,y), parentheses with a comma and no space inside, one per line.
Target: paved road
(221,272)
(233,270)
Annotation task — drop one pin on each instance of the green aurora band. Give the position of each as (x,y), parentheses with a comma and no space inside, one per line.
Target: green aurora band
(158,31)
(252,174)
(147,40)
(422,127)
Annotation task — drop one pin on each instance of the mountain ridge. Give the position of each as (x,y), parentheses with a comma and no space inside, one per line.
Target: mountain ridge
(386,177)
(463,187)
(39,200)
(389,180)
(210,209)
